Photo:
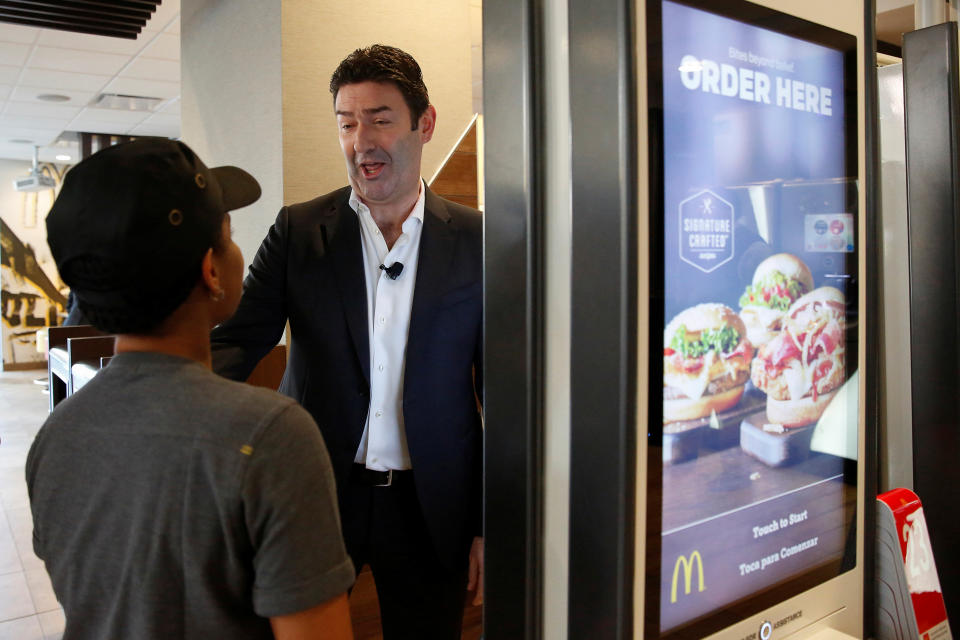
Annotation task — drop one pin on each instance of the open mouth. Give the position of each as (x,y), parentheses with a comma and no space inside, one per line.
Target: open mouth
(371,170)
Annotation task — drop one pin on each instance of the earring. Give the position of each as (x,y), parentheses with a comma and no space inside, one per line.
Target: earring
(217,295)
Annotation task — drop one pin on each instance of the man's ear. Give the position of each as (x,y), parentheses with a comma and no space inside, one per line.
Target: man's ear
(209,272)
(427,124)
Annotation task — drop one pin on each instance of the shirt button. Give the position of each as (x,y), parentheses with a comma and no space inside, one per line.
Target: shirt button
(376,232)
(380,367)
(378,413)
(382,319)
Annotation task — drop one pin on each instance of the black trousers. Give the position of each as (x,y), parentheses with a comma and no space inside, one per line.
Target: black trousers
(420,598)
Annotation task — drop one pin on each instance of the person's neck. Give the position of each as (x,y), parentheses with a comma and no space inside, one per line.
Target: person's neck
(188,346)
(185,333)
(390,217)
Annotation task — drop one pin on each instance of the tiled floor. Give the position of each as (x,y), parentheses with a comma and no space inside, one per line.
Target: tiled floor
(28,608)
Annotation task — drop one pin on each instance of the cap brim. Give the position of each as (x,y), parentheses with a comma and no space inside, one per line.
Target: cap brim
(239,187)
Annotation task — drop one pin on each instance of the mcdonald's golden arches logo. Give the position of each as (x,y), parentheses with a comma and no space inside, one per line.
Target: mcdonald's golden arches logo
(687,564)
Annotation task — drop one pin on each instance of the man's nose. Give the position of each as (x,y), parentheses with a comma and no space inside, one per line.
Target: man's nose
(363,140)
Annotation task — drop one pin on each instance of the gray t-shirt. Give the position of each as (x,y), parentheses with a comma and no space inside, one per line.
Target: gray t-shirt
(169,502)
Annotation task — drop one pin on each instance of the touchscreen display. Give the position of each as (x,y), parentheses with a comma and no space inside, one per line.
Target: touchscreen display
(759,218)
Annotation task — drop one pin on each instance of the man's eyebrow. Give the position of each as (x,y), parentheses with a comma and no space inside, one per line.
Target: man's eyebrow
(371,111)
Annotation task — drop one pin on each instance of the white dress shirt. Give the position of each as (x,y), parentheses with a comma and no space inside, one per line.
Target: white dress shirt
(384,442)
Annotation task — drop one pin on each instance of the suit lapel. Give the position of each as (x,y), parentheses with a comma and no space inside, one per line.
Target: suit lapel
(347,257)
(434,274)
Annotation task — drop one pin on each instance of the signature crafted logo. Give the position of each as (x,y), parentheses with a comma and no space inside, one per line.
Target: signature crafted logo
(706,231)
(688,566)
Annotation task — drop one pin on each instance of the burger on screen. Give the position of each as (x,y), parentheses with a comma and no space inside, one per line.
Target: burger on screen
(777,283)
(706,362)
(801,369)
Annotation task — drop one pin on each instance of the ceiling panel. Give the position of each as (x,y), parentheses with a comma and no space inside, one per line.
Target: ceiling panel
(153,69)
(19,151)
(120,116)
(165,46)
(65,81)
(141,87)
(14,53)
(165,119)
(97,126)
(35,136)
(149,129)
(41,109)
(23,93)
(76,60)
(9,74)
(32,122)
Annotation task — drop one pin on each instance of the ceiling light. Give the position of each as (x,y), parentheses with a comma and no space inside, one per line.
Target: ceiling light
(62,157)
(21,141)
(126,102)
(53,97)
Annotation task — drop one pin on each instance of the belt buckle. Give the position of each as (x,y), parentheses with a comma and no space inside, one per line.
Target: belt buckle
(389,479)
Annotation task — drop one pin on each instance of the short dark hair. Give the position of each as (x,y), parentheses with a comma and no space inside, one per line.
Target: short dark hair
(382,63)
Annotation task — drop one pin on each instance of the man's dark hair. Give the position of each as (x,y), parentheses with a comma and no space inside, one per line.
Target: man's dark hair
(380,63)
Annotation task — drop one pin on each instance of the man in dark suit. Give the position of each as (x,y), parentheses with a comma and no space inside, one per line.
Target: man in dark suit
(381,282)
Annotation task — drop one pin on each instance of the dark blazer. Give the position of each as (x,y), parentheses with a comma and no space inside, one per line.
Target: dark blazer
(309,270)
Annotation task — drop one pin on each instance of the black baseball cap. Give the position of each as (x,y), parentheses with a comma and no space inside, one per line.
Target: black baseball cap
(131,225)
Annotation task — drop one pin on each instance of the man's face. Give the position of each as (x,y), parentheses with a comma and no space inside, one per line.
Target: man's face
(381,150)
(229,258)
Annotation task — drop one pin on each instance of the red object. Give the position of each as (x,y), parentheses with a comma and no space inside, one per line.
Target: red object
(919,566)
(692,365)
(782,350)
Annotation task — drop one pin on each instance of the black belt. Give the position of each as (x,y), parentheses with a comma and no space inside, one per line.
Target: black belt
(376,478)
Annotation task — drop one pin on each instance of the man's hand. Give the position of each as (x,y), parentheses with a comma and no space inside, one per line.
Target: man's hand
(476,571)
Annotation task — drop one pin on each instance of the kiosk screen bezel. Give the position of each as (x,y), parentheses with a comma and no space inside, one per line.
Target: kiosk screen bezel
(765,18)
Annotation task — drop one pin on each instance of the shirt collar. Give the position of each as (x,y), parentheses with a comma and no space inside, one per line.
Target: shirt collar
(416,214)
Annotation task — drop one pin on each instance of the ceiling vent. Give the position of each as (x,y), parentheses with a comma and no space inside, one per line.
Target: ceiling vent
(117,18)
(125,102)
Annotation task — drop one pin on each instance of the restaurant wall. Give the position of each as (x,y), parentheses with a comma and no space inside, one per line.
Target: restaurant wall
(231,107)
(31,293)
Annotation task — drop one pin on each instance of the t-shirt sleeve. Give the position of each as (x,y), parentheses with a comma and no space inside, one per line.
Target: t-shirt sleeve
(290,508)
(31,473)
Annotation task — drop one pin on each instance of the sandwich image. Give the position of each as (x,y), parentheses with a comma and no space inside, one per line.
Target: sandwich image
(777,283)
(706,362)
(801,368)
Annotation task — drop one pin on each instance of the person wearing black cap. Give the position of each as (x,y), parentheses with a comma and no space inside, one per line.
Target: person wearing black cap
(167,501)
(381,282)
